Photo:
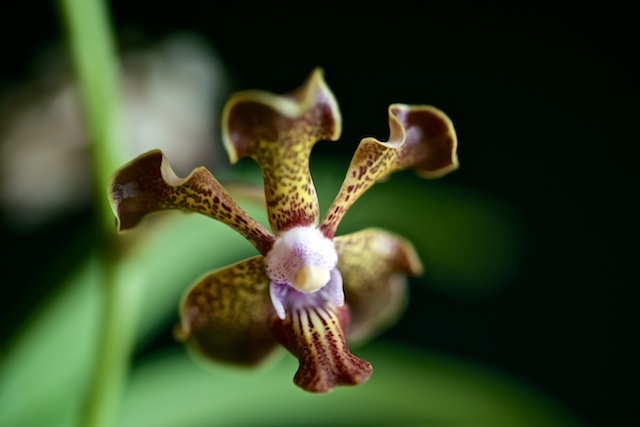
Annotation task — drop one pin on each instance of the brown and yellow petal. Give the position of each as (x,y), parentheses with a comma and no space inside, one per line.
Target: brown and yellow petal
(148,184)
(279,133)
(315,336)
(421,137)
(374,264)
(225,316)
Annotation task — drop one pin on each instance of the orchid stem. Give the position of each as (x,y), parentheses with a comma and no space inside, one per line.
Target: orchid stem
(94,59)
(95,62)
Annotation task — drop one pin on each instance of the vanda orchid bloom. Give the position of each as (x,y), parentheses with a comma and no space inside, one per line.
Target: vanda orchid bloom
(307,290)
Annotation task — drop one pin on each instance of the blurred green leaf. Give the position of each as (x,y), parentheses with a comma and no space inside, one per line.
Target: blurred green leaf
(408,387)
(44,374)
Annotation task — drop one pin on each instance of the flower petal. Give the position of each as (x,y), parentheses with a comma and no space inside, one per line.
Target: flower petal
(225,316)
(421,137)
(148,184)
(315,336)
(374,264)
(279,133)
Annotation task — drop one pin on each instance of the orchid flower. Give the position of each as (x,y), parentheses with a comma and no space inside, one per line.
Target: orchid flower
(307,290)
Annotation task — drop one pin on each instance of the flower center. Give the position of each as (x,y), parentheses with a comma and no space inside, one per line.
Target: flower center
(303,258)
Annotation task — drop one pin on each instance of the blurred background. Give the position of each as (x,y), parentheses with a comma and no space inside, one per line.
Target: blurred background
(542,99)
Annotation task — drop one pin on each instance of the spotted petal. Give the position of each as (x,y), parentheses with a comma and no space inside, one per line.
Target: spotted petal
(374,264)
(421,137)
(279,133)
(315,336)
(225,316)
(148,184)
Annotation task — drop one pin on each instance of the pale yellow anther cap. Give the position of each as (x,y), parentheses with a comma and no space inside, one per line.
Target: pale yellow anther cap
(310,278)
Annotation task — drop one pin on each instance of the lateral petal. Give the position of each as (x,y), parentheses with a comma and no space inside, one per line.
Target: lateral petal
(374,264)
(147,184)
(225,315)
(421,137)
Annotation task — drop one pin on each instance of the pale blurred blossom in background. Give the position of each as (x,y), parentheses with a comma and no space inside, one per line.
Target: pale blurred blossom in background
(171,94)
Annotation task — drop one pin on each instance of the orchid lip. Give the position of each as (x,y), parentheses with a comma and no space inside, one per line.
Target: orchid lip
(286,298)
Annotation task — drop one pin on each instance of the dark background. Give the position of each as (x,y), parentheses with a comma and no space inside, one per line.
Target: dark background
(542,98)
